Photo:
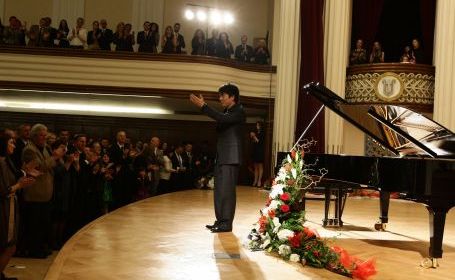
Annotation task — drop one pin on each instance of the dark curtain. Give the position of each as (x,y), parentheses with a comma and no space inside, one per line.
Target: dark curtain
(427,21)
(366,17)
(311,69)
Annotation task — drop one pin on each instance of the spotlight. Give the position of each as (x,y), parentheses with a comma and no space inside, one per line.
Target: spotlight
(228,18)
(189,14)
(201,16)
(215,17)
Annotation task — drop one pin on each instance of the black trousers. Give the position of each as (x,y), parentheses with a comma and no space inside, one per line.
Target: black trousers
(226,176)
(37,220)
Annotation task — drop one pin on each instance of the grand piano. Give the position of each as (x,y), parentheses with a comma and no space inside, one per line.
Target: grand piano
(422,170)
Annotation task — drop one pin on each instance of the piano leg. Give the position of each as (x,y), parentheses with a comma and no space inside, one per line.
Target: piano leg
(384,201)
(437,222)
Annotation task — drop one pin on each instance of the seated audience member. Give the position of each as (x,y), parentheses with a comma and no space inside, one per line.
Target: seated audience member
(106,37)
(94,36)
(261,53)
(198,43)
(359,54)
(146,39)
(377,55)
(62,35)
(212,43)
(14,34)
(407,56)
(78,36)
(244,52)
(417,51)
(179,37)
(224,47)
(168,41)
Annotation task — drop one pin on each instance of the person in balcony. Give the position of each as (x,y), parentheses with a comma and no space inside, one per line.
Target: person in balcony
(407,56)
(14,34)
(261,53)
(155,29)
(146,39)
(62,35)
(198,43)
(94,36)
(224,47)
(244,52)
(359,54)
(168,41)
(417,51)
(179,38)
(377,55)
(78,36)
(106,37)
(212,42)
(123,38)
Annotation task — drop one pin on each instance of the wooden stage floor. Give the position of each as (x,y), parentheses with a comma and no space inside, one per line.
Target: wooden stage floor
(164,238)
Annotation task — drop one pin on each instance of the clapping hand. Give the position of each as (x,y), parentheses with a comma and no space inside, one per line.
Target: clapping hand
(198,101)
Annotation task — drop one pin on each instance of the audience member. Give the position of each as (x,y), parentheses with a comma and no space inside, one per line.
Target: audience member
(359,54)
(168,41)
(165,173)
(417,51)
(179,37)
(93,36)
(198,43)
(14,34)
(146,39)
(62,35)
(106,36)
(244,52)
(257,139)
(377,55)
(9,185)
(212,43)
(78,35)
(261,53)
(224,47)
(407,56)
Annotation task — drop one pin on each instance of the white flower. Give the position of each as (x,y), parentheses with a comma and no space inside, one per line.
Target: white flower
(274,204)
(266,241)
(294,258)
(276,224)
(284,234)
(277,190)
(265,211)
(284,250)
(294,173)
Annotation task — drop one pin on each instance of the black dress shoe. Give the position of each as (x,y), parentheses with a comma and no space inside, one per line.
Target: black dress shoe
(221,228)
(212,226)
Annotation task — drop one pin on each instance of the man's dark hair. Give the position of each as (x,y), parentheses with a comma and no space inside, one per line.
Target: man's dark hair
(231,90)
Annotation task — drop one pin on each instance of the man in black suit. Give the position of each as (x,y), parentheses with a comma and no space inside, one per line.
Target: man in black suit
(244,52)
(106,36)
(23,133)
(180,39)
(229,153)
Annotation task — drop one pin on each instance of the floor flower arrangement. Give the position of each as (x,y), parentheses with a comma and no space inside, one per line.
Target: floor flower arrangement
(280,228)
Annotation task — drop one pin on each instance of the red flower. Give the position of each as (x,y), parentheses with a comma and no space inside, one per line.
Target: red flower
(285,196)
(268,201)
(364,269)
(284,208)
(302,153)
(309,233)
(316,254)
(293,154)
(272,214)
(296,239)
(262,223)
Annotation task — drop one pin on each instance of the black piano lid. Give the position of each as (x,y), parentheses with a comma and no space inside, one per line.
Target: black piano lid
(401,130)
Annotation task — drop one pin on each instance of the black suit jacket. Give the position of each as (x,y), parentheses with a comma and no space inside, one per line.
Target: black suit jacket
(105,39)
(147,43)
(180,44)
(229,133)
(244,55)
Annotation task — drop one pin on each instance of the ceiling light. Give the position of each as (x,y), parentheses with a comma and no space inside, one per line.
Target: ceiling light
(189,14)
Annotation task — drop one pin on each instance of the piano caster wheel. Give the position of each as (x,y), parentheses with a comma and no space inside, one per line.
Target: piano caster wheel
(380,226)
(429,263)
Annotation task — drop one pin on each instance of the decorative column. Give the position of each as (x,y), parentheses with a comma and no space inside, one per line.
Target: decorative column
(69,10)
(444,62)
(288,57)
(337,33)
